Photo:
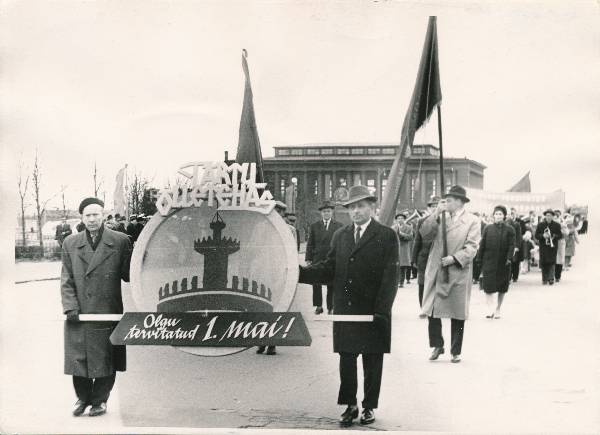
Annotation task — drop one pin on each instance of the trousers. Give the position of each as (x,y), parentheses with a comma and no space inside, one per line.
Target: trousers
(421,289)
(456,335)
(405,273)
(318,296)
(94,391)
(558,271)
(547,272)
(372,371)
(515,268)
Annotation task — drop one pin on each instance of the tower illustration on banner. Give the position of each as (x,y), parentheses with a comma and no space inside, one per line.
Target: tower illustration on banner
(214,294)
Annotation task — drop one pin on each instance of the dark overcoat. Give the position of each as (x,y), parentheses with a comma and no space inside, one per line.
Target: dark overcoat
(547,252)
(421,249)
(516,256)
(494,256)
(91,284)
(365,281)
(319,240)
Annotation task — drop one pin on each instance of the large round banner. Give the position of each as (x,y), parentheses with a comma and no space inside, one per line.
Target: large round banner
(200,259)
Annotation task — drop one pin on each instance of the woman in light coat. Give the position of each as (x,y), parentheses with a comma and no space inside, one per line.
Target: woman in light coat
(560,253)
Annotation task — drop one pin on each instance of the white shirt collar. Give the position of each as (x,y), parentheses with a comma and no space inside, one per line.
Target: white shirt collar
(363,227)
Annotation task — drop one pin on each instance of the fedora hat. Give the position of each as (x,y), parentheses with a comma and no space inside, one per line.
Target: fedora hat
(458,192)
(433,200)
(358,193)
(549,211)
(327,204)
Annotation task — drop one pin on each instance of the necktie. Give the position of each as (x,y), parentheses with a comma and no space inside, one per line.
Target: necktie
(356,235)
(326,225)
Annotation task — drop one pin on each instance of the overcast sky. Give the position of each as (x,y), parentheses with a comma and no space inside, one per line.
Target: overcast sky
(158,84)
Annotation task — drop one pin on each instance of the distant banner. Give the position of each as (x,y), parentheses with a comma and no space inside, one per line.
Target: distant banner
(484,202)
(227,329)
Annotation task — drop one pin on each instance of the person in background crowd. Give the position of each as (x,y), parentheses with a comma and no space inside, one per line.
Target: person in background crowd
(476,264)
(62,231)
(562,242)
(80,227)
(363,264)
(584,225)
(290,219)
(110,222)
(495,256)
(94,262)
(280,208)
(317,247)
(548,233)
(134,228)
(421,249)
(119,224)
(405,236)
(516,256)
(572,239)
(450,299)
(527,246)
(414,222)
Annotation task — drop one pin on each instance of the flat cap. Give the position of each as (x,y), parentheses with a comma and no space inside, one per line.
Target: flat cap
(89,201)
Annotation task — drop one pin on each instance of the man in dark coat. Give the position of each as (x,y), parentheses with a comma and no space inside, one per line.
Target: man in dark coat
(363,264)
(317,247)
(94,262)
(62,231)
(421,249)
(548,233)
(134,228)
(513,220)
(495,258)
(120,224)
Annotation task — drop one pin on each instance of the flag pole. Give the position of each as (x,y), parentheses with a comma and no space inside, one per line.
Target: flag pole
(445,275)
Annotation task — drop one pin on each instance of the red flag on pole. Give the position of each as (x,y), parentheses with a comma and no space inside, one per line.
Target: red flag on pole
(523,185)
(427,94)
(248,150)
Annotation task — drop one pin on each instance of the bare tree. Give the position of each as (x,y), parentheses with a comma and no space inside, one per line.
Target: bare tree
(23,187)
(97,184)
(40,205)
(62,192)
(137,185)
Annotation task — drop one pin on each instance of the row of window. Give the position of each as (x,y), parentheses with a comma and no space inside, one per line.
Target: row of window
(334,151)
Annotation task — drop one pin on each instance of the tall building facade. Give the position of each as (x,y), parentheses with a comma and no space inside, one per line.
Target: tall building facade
(325,172)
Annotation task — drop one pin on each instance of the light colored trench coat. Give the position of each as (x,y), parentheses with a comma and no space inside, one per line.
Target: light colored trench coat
(450,300)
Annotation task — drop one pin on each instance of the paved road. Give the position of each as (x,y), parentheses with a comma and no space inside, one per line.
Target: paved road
(536,369)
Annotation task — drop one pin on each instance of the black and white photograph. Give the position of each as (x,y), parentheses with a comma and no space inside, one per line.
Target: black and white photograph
(299,216)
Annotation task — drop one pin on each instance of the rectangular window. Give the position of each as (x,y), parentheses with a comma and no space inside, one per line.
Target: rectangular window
(297,152)
(413,183)
(358,151)
(342,182)
(328,186)
(316,187)
(370,182)
(416,149)
(326,151)
(357,180)
(282,188)
(343,151)
(312,151)
(373,150)
(389,151)
(283,152)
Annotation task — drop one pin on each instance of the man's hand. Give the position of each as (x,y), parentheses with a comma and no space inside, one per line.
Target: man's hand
(447,261)
(73,316)
(441,207)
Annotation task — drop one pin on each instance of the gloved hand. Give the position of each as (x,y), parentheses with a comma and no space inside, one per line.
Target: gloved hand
(73,316)
(382,323)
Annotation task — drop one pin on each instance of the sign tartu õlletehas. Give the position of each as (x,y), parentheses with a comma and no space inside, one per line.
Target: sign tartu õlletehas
(212,329)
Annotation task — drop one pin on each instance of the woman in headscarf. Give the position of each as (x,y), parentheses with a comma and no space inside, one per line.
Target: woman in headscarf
(572,239)
(495,254)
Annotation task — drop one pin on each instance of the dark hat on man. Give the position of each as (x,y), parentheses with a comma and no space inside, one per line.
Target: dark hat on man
(402,213)
(358,193)
(89,201)
(549,211)
(501,209)
(132,217)
(280,205)
(433,200)
(458,192)
(327,204)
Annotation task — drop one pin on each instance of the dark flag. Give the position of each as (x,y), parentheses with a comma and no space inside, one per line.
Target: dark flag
(523,185)
(426,96)
(248,150)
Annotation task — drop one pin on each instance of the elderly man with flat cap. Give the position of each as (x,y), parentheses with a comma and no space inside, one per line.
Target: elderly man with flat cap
(94,262)
(317,247)
(363,265)
(443,300)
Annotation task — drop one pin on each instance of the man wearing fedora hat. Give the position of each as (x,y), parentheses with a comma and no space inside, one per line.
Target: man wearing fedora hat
(421,249)
(317,247)
(449,299)
(548,233)
(363,265)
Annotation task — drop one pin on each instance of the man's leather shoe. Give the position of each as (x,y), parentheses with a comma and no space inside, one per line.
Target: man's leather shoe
(368,416)
(349,415)
(98,410)
(455,358)
(319,310)
(271,350)
(436,353)
(422,316)
(260,349)
(79,408)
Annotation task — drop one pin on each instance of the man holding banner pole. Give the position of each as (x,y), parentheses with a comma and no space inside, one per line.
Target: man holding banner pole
(363,265)
(94,262)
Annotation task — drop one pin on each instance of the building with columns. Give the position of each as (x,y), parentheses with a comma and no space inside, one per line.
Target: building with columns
(325,172)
